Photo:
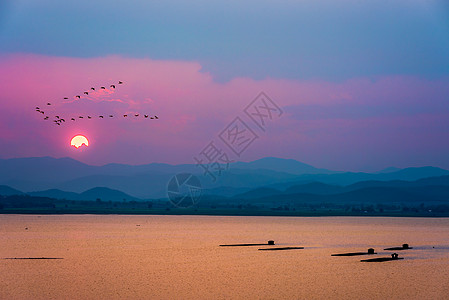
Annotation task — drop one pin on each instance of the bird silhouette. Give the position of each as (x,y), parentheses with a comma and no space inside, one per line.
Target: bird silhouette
(151,118)
(156,117)
(37,108)
(92,88)
(136,115)
(78,96)
(86,93)
(110,116)
(73,119)
(57,117)
(62,120)
(66,98)
(80,117)
(89,117)
(146,116)
(125,116)
(48,103)
(102,88)
(112,86)
(57,124)
(46,118)
(101,117)
(120,82)
(42,112)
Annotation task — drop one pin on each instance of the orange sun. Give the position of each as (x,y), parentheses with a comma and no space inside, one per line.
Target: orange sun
(79,140)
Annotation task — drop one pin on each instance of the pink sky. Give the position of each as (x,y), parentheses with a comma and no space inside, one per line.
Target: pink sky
(357,124)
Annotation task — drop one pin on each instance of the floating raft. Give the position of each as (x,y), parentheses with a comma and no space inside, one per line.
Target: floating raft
(246,245)
(370,252)
(33,258)
(404,247)
(394,256)
(280,248)
(381,259)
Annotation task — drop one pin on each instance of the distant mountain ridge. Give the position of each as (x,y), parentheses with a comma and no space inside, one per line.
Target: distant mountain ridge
(102,193)
(281,165)
(150,180)
(9,191)
(428,190)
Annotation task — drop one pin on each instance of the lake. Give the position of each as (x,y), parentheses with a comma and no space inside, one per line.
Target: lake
(178,257)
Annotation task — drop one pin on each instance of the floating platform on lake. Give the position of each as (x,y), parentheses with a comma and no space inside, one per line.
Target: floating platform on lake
(394,256)
(33,258)
(280,248)
(370,252)
(270,243)
(404,247)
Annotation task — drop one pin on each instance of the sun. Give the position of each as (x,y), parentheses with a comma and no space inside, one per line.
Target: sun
(79,140)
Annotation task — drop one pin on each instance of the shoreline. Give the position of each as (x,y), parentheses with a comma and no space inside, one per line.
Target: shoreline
(219,212)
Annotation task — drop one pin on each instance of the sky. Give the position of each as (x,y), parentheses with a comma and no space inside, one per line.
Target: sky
(362,85)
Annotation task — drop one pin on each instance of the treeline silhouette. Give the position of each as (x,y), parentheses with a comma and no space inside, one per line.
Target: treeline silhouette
(30,202)
(208,205)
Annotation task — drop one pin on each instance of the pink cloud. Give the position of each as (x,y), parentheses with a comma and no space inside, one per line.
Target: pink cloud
(351,124)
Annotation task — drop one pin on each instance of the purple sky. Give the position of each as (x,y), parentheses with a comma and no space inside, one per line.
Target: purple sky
(363,86)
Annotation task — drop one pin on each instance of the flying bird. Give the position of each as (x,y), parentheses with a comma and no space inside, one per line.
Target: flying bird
(112,86)
(42,112)
(89,117)
(48,103)
(92,88)
(120,82)
(37,107)
(73,119)
(78,96)
(46,118)
(57,117)
(125,116)
(146,116)
(86,93)
(80,117)
(156,117)
(66,98)
(101,117)
(62,120)
(102,88)
(136,115)
(110,116)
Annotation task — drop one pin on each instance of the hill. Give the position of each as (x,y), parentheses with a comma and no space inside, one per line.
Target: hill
(8,191)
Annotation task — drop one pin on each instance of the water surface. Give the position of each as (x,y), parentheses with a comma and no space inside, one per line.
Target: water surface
(168,257)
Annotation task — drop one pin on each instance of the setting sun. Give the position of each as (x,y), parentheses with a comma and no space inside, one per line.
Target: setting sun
(79,140)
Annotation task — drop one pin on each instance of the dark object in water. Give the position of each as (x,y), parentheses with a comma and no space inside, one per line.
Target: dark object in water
(404,247)
(370,251)
(33,258)
(281,248)
(244,245)
(394,256)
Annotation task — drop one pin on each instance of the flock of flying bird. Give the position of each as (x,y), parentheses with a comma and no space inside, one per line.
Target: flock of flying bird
(59,120)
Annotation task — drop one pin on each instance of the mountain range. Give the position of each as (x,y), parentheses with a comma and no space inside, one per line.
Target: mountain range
(66,178)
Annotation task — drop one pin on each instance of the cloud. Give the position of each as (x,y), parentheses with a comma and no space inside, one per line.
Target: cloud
(308,39)
(358,123)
